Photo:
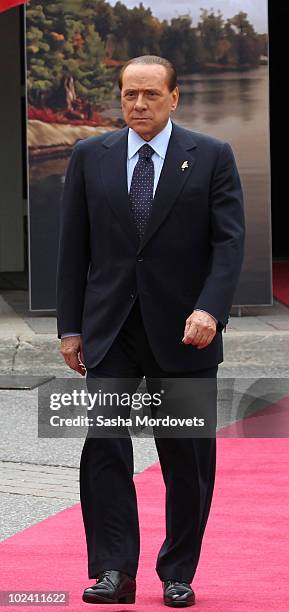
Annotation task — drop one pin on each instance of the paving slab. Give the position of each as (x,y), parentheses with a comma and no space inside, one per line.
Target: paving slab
(254,311)
(256,349)
(277,322)
(247,324)
(42,325)
(10,320)
(16,381)
(25,510)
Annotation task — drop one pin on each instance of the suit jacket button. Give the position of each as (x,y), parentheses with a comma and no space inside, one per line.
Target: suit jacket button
(140,259)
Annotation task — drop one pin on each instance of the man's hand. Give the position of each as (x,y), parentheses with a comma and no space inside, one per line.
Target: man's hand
(200,329)
(71,349)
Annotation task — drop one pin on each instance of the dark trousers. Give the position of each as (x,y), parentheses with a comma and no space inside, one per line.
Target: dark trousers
(107,491)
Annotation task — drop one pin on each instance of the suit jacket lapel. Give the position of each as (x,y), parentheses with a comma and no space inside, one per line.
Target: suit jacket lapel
(113,167)
(172,179)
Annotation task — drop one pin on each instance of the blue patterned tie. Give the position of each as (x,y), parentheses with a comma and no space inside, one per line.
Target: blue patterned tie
(141,190)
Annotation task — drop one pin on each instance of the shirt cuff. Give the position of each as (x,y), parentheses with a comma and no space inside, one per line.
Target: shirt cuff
(200,310)
(70,334)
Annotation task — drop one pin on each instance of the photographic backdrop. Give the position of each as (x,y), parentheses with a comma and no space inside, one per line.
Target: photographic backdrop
(75,49)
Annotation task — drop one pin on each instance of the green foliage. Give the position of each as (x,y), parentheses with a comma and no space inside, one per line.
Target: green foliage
(179,44)
(247,43)
(60,44)
(76,38)
(211,33)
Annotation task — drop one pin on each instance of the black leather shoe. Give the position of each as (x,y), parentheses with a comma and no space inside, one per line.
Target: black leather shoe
(111,587)
(178,594)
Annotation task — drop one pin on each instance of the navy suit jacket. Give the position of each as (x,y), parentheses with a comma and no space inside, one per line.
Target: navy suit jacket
(190,256)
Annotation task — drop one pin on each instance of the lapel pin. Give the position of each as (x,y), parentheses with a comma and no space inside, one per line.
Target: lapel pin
(184,165)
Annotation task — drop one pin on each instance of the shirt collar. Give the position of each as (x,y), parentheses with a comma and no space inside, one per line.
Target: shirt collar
(159,142)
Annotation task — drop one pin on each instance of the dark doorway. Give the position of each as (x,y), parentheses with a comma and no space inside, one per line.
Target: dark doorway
(13,205)
(279,131)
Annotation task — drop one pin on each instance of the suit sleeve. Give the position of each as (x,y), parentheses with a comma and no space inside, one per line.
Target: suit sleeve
(74,250)
(227,238)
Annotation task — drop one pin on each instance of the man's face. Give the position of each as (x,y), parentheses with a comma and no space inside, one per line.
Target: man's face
(146,100)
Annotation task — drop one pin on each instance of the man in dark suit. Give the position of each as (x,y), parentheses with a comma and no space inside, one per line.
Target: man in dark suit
(151,248)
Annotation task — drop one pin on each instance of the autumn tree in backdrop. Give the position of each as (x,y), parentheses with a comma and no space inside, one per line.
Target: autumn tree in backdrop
(75,47)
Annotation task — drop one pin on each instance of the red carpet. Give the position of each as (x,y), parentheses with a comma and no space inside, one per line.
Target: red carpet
(245,558)
(281,281)
(272,421)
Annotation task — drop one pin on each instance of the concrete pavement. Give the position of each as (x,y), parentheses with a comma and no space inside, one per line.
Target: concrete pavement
(40,476)
(258,339)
